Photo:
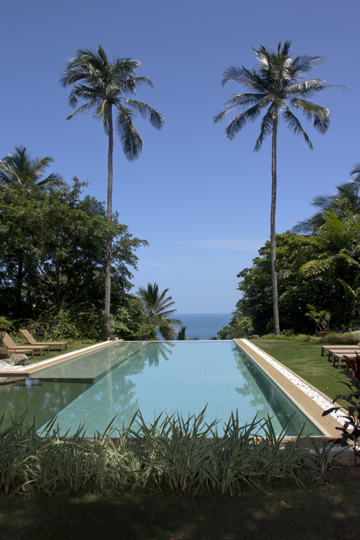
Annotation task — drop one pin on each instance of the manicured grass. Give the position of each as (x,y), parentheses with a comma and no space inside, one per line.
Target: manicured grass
(305,359)
(328,512)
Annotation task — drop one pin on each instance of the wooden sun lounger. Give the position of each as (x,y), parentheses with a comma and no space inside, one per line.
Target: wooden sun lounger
(14,347)
(340,356)
(332,352)
(33,341)
(326,348)
(23,351)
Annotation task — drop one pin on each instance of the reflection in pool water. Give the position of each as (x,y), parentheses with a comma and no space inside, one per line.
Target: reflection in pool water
(155,377)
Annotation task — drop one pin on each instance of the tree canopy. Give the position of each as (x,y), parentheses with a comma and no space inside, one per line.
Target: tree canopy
(321,270)
(52,258)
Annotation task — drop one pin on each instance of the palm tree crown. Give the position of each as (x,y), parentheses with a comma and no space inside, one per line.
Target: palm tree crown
(20,169)
(103,84)
(276,87)
(157,307)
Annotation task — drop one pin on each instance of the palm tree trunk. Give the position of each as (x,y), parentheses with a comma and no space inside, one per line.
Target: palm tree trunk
(109,240)
(272,231)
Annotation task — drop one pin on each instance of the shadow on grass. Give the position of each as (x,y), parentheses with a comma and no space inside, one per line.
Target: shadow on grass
(329,512)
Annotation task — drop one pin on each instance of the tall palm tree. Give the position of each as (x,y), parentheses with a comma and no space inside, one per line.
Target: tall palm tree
(275,87)
(21,170)
(157,308)
(103,84)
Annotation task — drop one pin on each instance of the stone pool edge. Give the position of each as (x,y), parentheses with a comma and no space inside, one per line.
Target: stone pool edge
(306,397)
(25,371)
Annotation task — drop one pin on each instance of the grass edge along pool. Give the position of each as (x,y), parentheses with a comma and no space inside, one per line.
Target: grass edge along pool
(104,392)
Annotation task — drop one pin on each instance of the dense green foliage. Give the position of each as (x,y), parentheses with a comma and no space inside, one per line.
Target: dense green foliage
(52,259)
(318,272)
(241,327)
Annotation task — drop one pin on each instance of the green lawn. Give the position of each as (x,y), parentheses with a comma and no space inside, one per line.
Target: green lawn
(305,359)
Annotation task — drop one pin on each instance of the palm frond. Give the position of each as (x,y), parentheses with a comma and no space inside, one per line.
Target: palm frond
(243,100)
(240,120)
(102,113)
(355,172)
(302,64)
(310,225)
(156,119)
(132,84)
(295,125)
(323,201)
(307,88)
(219,117)
(129,137)
(244,76)
(321,115)
(82,109)
(266,128)
(53,179)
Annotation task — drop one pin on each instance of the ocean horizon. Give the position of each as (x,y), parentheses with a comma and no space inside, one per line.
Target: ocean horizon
(202,325)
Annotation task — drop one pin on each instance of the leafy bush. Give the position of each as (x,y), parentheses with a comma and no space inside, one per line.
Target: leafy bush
(272,336)
(6,324)
(183,455)
(302,338)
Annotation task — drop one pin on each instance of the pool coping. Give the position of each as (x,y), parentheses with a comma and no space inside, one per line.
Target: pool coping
(311,401)
(25,371)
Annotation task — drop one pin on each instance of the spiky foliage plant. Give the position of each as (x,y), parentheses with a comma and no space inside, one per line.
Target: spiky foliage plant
(184,455)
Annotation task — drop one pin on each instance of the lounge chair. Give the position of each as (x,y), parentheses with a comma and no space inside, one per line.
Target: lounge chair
(14,347)
(325,348)
(342,351)
(32,341)
(343,356)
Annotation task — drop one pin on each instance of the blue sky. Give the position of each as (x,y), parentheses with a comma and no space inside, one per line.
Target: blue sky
(201,201)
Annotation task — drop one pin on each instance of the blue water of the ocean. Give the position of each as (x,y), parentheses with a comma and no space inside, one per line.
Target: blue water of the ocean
(203,325)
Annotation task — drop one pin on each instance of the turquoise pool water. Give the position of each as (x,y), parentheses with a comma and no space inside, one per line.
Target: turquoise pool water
(154,377)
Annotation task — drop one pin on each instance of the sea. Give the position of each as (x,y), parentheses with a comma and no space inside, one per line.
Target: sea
(203,325)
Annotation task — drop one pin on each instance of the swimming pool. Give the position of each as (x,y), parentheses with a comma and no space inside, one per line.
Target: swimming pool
(153,377)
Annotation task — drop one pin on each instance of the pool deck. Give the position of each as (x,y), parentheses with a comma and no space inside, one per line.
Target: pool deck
(26,371)
(308,398)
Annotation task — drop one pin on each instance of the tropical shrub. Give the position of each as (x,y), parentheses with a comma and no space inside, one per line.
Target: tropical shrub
(185,455)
